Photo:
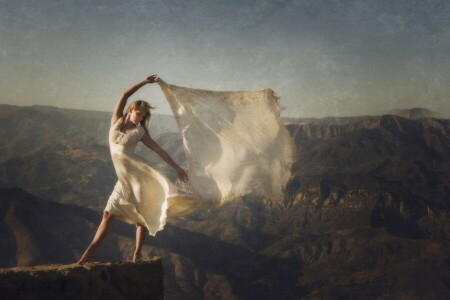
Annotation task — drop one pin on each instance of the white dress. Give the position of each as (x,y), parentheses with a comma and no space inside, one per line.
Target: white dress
(141,194)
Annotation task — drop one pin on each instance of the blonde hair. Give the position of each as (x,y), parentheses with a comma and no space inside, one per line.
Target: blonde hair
(141,104)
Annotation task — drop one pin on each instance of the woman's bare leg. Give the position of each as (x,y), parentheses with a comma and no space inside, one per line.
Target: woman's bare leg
(141,232)
(101,233)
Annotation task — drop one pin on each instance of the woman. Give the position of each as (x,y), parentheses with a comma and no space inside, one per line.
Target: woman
(140,194)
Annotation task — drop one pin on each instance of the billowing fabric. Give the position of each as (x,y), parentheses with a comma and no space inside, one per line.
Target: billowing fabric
(235,142)
(141,194)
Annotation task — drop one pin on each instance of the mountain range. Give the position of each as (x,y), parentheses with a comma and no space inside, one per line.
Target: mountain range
(365,214)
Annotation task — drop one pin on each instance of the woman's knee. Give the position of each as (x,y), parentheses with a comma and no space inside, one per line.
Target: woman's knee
(141,227)
(107,216)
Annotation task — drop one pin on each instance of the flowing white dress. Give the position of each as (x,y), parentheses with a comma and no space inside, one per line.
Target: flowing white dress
(141,193)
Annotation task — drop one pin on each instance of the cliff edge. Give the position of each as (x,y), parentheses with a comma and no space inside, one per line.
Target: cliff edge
(116,280)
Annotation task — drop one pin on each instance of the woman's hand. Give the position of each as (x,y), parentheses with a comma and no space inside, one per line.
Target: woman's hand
(182,174)
(152,79)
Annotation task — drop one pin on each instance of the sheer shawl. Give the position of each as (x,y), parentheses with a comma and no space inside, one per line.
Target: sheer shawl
(235,142)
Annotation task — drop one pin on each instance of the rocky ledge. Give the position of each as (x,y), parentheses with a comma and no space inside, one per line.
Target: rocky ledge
(116,280)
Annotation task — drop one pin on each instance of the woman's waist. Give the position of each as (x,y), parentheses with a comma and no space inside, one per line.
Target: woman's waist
(121,148)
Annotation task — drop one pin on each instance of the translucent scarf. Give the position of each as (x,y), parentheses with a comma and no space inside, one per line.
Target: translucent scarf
(235,142)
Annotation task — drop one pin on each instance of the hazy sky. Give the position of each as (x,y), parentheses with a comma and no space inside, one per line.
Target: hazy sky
(323,58)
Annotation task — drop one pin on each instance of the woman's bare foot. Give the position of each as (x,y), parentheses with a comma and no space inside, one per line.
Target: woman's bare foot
(89,255)
(137,257)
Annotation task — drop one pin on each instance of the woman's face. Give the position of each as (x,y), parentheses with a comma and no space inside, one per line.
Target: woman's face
(137,115)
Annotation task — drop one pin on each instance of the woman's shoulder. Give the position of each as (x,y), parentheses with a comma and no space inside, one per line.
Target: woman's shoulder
(116,122)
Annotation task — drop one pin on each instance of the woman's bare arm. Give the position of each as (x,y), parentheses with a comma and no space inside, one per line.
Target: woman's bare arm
(118,110)
(151,144)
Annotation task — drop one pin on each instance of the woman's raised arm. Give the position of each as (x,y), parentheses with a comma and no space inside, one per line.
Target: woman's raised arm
(118,110)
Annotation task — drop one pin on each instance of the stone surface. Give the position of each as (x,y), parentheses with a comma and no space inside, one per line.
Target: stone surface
(118,280)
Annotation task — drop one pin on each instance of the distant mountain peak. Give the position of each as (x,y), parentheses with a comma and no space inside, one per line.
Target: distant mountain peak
(418,113)
(408,113)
